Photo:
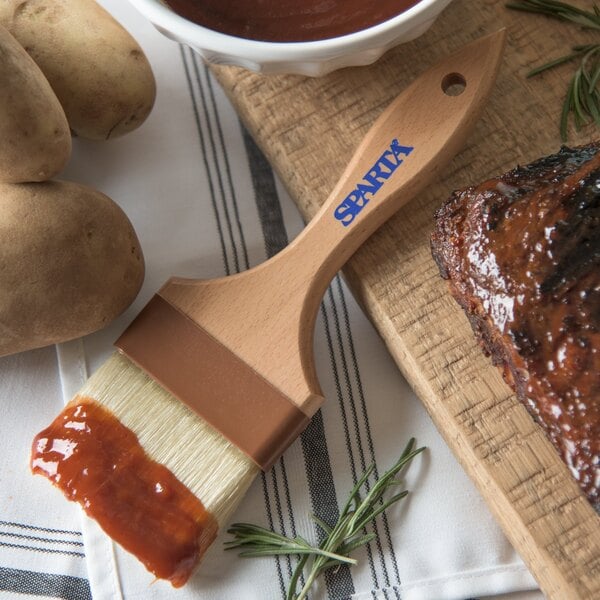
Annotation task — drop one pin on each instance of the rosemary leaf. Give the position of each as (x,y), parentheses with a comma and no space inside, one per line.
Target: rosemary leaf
(326,529)
(560,10)
(594,79)
(357,543)
(296,575)
(339,540)
(582,100)
(578,110)
(566,110)
(553,63)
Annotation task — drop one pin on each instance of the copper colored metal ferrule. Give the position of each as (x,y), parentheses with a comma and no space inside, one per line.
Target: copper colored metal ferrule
(210,379)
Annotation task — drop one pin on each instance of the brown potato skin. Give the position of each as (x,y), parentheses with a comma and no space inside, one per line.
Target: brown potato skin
(34,133)
(70,263)
(98,71)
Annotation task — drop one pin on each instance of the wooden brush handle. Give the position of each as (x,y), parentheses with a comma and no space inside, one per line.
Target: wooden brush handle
(266,315)
(416,135)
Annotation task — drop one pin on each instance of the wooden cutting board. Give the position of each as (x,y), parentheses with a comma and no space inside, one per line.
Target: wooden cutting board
(308,128)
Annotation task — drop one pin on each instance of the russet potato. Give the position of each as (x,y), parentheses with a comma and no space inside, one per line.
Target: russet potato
(70,263)
(34,133)
(98,71)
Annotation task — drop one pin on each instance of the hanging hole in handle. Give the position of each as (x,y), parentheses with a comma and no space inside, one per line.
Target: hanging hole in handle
(453,84)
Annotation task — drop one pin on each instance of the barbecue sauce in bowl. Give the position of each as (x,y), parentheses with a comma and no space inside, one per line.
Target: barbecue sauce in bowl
(289,20)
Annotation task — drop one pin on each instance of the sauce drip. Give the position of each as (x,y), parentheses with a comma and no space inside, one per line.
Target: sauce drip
(98,462)
(289,20)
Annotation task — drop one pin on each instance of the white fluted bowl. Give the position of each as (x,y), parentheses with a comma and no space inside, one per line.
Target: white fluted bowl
(312,58)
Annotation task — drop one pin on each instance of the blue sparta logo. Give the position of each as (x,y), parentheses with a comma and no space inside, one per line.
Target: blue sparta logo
(371,182)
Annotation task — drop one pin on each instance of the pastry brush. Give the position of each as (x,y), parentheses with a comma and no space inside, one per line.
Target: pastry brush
(216,378)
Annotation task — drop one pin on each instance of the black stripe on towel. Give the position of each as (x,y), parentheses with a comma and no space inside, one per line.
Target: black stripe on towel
(314,444)
(36,528)
(201,138)
(33,583)
(225,159)
(275,239)
(36,538)
(42,549)
(271,488)
(266,198)
(230,228)
(364,417)
(347,402)
(211,119)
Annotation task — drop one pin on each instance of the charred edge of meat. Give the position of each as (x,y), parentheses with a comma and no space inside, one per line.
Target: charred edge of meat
(578,237)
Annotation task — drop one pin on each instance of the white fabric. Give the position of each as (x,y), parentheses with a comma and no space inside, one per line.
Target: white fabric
(445,543)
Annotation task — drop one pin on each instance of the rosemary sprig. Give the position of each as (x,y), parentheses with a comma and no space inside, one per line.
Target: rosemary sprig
(347,534)
(582,99)
(560,10)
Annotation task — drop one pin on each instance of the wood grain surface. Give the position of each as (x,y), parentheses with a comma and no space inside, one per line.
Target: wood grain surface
(309,128)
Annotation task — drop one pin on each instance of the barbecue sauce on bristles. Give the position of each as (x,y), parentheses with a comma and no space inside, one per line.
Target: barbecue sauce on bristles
(156,501)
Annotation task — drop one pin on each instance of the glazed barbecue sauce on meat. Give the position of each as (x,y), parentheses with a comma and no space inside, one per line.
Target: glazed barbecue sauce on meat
(522,252)
(289,20)
(94,459)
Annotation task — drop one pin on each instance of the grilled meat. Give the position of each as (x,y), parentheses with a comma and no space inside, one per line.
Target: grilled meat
(522,256)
